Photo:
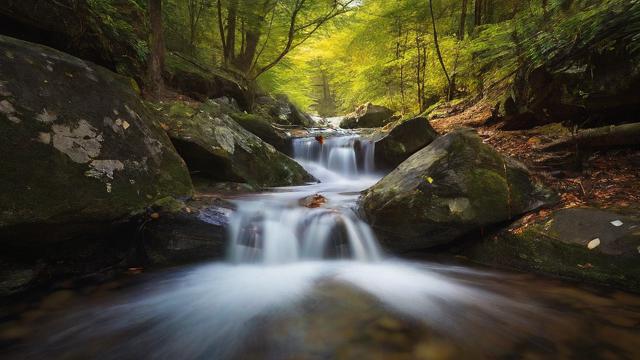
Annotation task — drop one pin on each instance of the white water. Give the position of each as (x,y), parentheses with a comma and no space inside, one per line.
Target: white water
(279,252)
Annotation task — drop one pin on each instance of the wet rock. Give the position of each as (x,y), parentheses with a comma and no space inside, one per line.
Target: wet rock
(196,232)
(216,147)
(449,189)
(367,116)
(313,201)
(586,244)
(85,152)
(403,141)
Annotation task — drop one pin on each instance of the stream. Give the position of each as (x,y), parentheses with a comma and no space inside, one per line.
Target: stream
(313,283)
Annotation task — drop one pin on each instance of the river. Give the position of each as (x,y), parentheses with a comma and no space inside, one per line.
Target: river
(313,283)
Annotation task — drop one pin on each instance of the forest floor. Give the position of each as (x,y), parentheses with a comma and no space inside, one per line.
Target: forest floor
(603,179)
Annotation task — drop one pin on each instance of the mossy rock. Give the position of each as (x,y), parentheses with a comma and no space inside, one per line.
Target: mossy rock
(452,187)
(263,129)
(367,116)
(77,144)
(112,33)
(279,110)
(584,244)
(202,82)
(218,148)
(402,141)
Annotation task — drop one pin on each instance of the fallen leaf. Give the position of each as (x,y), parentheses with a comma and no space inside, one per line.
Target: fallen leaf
(617,223)
(320,139)
(154,216)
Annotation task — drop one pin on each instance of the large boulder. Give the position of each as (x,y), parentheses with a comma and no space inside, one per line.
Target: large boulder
(216,147)
(77,144)
(586,244)
(589,76)
(403,141)
(112,34)
(263,129)
(202,82)
(367,116)
(280,111)
(453,187)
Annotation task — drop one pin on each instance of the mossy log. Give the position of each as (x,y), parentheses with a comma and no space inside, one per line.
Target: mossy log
(601,138)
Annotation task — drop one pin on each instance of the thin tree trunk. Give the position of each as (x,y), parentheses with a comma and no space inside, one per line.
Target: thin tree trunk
(437,46)
(477,21)
(463,20)
(223,41)
(230,42)
(156,41)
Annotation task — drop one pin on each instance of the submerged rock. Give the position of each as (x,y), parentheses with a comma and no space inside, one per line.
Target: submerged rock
(453,187)
(216,147)
(586,244)
(78,145)
(403,141)
(367,116)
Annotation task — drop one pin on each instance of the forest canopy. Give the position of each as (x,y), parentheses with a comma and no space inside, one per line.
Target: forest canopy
(330,56)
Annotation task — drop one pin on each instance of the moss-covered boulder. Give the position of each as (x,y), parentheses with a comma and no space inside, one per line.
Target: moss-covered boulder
(454,186)
(585,244)
(402,141)
(203,82)
(263,129)
(76,143)
(216,147)
(367,116)
(279,110)
(112,33)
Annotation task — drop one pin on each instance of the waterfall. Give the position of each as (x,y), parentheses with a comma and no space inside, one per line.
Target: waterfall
(276,229)
(349,156)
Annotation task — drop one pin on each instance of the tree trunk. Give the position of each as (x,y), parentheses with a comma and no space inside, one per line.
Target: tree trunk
(601,138)
(156,58)
(437,45)
(244,61)
(463,20)
(230,41)
(477,20)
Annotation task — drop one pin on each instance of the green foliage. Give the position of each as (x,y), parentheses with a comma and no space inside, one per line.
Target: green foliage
(383,51)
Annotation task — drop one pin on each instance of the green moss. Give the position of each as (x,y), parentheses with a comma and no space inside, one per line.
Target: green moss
(536,249)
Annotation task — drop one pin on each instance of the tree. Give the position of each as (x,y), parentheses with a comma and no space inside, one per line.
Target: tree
(437,46)
(300,18)
(195,10)
(155,84)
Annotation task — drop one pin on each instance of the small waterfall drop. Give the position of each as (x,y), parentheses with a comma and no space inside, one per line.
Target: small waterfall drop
(276,229)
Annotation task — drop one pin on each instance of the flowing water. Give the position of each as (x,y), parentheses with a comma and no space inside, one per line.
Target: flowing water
(312,283)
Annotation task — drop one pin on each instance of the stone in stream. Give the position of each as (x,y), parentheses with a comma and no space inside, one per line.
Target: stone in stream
(586,244)
(402,141)
(367,116)
(189,232)
(216,147)
(451,188)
